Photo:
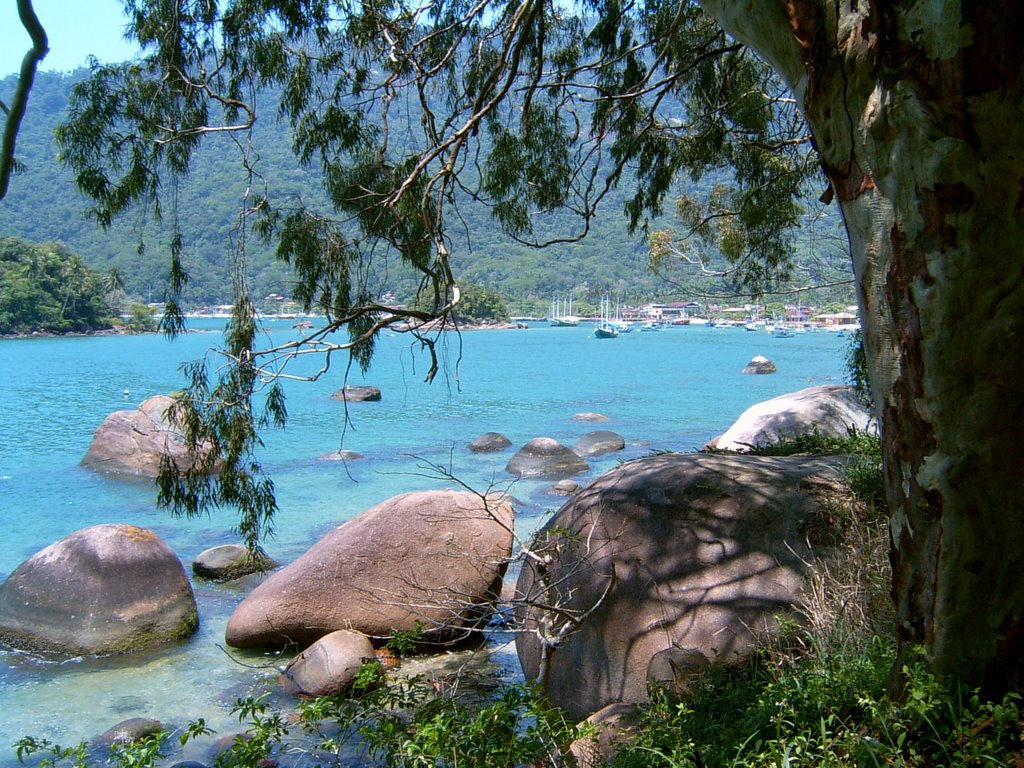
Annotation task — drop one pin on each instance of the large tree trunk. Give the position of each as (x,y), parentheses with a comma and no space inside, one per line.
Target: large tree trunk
(917,111)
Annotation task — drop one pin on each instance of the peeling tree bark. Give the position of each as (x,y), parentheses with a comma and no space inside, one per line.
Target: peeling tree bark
(917,112)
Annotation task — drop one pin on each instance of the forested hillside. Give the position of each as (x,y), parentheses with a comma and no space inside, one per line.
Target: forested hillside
(46,288)
(44,206)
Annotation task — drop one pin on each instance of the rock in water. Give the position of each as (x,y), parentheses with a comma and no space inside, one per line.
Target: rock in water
(105,589)
(134,442)
(698,554)
(361,394)
(428,558)
(832,410)
(759,364)
(489,442)
(598,443)
(544,457)
(230,561)
(329,665)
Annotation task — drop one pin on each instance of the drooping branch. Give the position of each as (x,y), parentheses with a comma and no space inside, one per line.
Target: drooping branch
(15,113)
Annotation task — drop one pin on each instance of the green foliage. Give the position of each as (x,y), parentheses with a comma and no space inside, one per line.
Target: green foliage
(814,443)
(404,641)
(864,466)
(479,305)
(47,288)
(826,710)
(408,723)
(857,367)
(142,319)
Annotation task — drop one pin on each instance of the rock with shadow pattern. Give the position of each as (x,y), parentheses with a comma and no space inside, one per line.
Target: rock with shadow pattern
(697,554)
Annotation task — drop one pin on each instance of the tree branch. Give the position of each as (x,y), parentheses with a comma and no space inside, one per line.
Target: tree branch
(16,112)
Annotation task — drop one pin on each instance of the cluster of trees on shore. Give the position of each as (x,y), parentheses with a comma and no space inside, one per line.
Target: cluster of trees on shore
(48,288)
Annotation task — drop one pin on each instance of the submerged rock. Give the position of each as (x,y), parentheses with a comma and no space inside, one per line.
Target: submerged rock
(341,455)
(359,394)
(105,589)
(565,487)
(544,457)
(599,443)
(693,555)
(429,559)
(490,442)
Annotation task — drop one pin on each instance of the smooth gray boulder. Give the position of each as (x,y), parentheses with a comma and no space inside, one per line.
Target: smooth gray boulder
(134,442)
(429,558)
(329,665)
(102,590)
(357,394)
(590,416)
(694,553)
(598,443)
(759,364)
(228,562)
(831,409)
(544,457)
(489,442)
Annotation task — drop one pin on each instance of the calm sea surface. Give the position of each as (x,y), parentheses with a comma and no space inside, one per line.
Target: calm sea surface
(669,390)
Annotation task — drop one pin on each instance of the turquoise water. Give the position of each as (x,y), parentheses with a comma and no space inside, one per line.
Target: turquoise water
(671,390)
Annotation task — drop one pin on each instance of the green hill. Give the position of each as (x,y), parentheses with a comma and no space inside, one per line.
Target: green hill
(44,206)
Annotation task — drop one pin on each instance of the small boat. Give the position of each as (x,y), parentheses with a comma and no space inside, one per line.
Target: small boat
(649,326)
(605,328)
(782,333)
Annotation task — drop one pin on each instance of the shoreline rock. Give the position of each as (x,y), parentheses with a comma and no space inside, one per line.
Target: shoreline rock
(676,561)
(108,589)
(429,560)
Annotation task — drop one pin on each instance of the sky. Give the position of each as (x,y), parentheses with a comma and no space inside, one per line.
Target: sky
(76,29)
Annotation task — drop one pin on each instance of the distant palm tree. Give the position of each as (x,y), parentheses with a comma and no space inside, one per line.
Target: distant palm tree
(113,282)
(113,287)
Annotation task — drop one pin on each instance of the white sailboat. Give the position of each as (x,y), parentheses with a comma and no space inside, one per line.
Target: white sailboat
(562,316)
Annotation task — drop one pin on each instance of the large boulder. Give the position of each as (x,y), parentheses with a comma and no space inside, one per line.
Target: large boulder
(545,457)
(599,443)
(329,665)
(134,442)
(105,589)
(433,559)
(688,556)
(831,409)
